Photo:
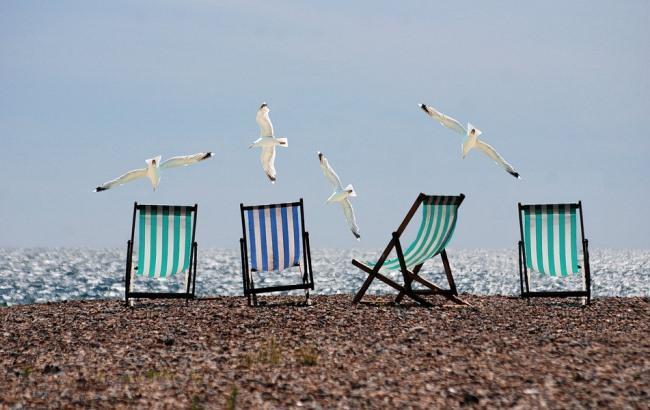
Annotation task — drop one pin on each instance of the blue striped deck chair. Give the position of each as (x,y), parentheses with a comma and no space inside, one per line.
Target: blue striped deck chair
(274,239)
(166,249)
(439,216)
(550,245)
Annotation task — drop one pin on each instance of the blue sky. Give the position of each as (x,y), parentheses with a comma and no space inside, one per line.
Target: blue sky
(89,89)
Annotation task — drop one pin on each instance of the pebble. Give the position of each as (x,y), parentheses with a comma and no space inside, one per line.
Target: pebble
(214,353)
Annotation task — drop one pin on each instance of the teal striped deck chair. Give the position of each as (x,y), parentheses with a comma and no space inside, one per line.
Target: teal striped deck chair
(166,249)
(439,216)
(553,244)
(273,240)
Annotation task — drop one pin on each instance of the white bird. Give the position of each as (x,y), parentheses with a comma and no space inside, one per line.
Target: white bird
(267,142)
(444,120)
(152,171)
(340,195)
(472,141)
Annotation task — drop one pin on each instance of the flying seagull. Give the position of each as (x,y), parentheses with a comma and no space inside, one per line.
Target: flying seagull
(471,141)
(267,142)
(152,171)
(340,195)
(444,120)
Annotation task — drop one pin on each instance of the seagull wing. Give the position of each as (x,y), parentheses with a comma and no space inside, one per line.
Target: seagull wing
(264,121)
(349,217)
(330,174)
(452,124)
(444,119)
(268,162)
(492,153)
(183,161)
(123,179)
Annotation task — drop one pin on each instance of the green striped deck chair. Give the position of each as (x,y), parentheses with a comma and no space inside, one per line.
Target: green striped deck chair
(439,216)
(273,240)
(166,249)
(553,244)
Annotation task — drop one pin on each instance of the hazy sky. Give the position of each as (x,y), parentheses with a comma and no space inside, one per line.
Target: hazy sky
(90,89)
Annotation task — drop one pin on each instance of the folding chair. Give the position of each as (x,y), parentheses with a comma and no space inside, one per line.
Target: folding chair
(549,245)
(273,237)
(166,247)
(439,215)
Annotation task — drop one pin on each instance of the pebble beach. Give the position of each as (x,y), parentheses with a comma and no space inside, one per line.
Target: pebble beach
(220,353)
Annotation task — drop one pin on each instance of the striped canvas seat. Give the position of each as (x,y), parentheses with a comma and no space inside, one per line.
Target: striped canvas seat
(164,240)
(551,239)
(273,237)
(439,214)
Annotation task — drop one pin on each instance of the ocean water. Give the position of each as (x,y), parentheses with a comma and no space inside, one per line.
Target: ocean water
(42,275)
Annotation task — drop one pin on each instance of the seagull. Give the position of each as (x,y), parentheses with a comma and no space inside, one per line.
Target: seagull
(340,195)
(471,141)
(267,142)
(444,120)
(152,171)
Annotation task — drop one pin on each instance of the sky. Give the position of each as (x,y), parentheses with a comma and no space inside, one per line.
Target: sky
(90,89)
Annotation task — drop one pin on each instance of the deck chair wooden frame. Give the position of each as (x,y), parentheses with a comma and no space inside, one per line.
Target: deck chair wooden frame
(190,286)
(307,277)
(411,275)
(524,273)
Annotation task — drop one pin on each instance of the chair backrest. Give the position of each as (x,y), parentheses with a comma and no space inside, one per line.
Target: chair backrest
(550,237)
(274,235)
(165,237)
(439,215)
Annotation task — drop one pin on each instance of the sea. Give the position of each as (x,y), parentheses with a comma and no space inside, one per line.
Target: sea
(46,275)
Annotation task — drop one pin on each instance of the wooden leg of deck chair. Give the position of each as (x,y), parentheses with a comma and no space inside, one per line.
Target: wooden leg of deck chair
(366,284)
(408,283)
(432,289)
(435,290)
(450,278)
(251,289)
(400,288)
(372,275)
(402,264)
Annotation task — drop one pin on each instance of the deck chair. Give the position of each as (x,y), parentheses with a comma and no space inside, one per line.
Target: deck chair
(439,215)
(166,248)
(273,238)
(550,246)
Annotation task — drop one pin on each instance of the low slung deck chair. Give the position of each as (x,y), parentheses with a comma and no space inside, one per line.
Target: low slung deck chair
(166,247)
(274,237)
(439,215)
(550,246)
